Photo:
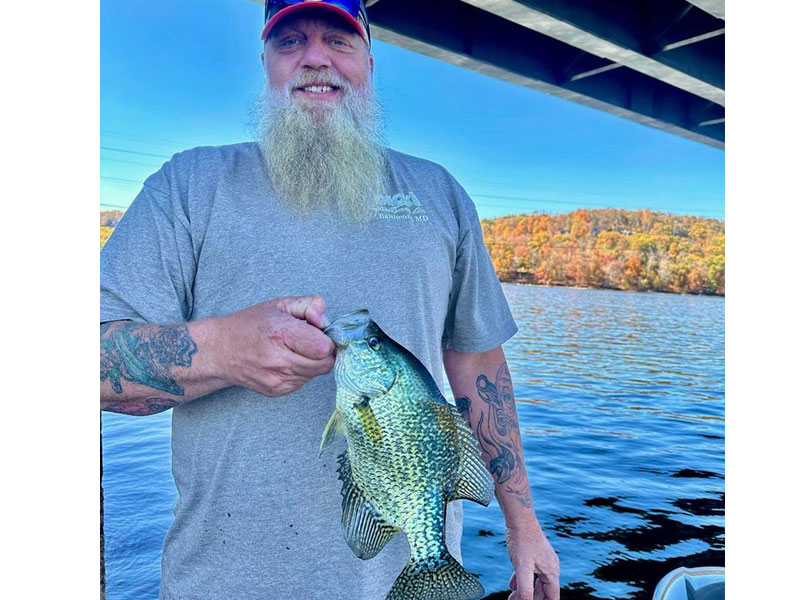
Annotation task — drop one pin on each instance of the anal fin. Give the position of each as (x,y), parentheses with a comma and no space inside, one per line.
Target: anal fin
(365,531)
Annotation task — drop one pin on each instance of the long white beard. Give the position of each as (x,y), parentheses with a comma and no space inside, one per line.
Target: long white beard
(331,156)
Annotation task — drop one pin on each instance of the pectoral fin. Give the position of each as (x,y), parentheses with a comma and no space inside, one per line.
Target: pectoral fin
(368,421)
(365,531)
(333,430)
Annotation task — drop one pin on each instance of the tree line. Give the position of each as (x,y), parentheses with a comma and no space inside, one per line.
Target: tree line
(108,220)
(604,248)
(610,248)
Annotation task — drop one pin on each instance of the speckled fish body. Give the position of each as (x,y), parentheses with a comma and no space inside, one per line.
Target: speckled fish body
(409,453)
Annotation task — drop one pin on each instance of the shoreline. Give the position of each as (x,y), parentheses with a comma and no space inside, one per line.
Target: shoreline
(517,280)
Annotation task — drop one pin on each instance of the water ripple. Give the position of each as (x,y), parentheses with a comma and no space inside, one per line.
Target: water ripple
(621,407)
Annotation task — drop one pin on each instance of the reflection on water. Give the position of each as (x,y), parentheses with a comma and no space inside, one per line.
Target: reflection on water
(621,405)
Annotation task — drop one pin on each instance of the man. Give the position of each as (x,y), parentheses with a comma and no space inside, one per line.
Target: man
(215,287)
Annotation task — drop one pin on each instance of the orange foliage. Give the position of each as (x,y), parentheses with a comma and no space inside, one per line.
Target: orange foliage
(610,248)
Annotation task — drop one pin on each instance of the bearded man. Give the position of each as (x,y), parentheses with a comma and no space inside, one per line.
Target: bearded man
(215,288)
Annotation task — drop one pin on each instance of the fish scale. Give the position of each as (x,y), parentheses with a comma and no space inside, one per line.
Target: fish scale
(409,453)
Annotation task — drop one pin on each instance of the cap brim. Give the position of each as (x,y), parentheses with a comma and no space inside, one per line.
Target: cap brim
(292,10)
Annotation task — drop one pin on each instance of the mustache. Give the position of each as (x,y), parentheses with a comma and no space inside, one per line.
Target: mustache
(309,76)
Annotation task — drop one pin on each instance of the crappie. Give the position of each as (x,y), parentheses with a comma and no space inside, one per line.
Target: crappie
(409,454)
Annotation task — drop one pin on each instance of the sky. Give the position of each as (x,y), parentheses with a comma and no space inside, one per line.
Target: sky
(177,74)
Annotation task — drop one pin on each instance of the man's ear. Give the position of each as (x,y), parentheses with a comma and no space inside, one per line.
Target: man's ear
(371,64)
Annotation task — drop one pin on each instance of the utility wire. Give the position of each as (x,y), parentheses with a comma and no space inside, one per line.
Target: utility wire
(569,203)
(132,162)
(120,180)
(487,196)
(539,200)
(160,141)
(483,205)
(134,152)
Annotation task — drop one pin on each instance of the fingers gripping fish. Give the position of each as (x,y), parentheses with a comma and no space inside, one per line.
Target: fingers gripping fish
(409,454)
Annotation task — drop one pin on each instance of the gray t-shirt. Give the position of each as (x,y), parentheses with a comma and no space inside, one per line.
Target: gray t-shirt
(258,510)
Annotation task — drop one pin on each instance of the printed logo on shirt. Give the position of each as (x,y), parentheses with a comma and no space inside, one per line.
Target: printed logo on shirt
(401,207)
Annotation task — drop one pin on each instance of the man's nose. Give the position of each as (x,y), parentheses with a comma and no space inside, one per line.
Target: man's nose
(315,55)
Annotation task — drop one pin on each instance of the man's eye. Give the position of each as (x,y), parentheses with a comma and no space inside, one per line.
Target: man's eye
(288,42)
(338,42)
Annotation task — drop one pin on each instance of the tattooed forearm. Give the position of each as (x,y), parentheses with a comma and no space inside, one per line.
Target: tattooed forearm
(145,355)
(494,419)
(141,408)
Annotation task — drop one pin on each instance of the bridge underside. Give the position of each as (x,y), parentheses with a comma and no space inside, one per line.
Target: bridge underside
(657,62)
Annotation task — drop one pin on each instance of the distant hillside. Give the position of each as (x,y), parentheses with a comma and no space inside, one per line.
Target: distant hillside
(610,248)
(606,248)
(108,220)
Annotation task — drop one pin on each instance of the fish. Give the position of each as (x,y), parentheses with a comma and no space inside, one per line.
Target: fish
(409,452)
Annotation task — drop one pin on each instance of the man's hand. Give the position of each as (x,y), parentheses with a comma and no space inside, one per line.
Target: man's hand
(276,347)
(273,348)
(535,564)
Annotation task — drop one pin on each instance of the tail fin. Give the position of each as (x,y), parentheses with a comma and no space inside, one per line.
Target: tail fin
(442,578)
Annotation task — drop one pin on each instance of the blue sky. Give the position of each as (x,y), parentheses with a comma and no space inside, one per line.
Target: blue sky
(178,74)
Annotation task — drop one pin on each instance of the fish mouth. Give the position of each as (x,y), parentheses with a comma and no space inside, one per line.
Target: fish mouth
(350,328)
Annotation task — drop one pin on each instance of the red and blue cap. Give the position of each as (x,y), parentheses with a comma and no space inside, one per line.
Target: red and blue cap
(352,11)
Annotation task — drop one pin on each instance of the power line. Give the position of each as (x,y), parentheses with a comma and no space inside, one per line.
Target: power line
(160,141)
(570,203)
(518,209)
(133,152)
(539,200)
(114,205)
(120,180)
(132,162)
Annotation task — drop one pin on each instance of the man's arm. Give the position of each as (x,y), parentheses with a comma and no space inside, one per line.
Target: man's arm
(273,348)
(481,383)
(145,369)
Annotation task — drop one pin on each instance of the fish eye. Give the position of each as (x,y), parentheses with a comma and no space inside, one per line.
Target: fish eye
(374,343)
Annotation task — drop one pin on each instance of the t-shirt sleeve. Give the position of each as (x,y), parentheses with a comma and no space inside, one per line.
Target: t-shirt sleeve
(147,266)
(479,318)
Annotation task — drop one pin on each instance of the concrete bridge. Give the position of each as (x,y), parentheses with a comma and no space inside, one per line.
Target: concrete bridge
(657,62)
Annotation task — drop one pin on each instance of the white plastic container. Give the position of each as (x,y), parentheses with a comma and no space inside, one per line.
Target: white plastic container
(698,583)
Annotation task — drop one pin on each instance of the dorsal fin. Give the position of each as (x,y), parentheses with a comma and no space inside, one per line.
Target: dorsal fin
(474,481)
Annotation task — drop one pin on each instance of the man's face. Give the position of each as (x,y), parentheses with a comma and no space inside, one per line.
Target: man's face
(314,57)
(319,123)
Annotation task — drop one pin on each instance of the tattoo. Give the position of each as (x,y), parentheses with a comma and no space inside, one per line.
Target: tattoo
(497,431)
(142,408)
(145,355)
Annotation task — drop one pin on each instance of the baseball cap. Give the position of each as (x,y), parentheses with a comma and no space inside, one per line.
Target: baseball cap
(352,11)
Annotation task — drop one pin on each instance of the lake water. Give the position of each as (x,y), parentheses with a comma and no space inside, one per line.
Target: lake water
(621,405)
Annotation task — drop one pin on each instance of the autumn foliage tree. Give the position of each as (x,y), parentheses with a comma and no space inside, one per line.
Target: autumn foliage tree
(610,248)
